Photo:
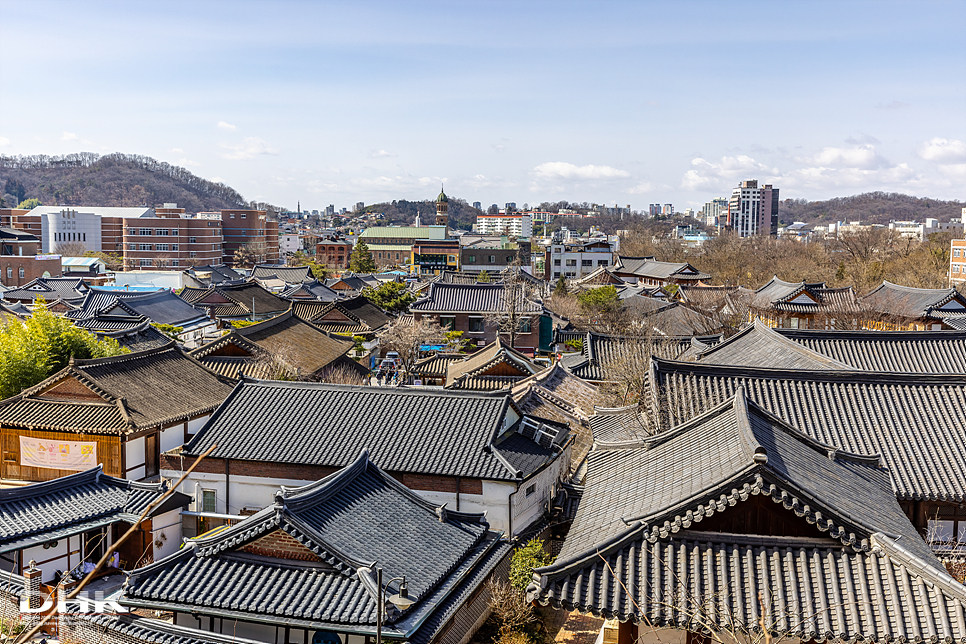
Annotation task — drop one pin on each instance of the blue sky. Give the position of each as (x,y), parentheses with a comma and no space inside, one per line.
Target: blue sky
(607,102)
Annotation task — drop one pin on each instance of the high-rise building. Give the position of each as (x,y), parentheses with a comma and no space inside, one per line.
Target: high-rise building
(668,210)
(478,205)
(753,210)
(714,211)
(510,224)
(654,210)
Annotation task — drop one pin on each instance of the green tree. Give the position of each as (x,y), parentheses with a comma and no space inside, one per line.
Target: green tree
(28,204)
(169,330)
(455,341)
(298,258)
(525,559)
(42,345)
(483,277)
(561,288)
(319,271)
(361,259)
(390,296)
(599,301)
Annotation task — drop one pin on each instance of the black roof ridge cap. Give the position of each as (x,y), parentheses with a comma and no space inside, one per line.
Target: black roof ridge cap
(134,355)
(322,386)
(46,487)
(187,549)
(603,411)
(863,334)
(807,375)
(320,490)
(760,327)
(831,451)
(746,435)
(932,574)
(269,323)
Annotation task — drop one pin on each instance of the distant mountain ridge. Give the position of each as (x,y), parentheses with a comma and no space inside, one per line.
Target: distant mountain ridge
(88,179)
(869,207)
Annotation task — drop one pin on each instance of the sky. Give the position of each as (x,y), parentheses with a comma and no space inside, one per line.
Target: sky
(634,103)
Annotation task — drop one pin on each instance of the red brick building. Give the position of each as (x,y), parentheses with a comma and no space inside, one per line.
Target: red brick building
(333,254)
(241,227)
(20,259)
(170,240)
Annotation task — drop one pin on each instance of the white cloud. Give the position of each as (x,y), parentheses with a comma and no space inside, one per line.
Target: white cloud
(641,188)
(499,147)
(177,151)
(4,141)
(716,176)
(380,154)
(188,163)
(226,126)
(562,170)
(249,148)
(68,136)
(943,150)
(863,157)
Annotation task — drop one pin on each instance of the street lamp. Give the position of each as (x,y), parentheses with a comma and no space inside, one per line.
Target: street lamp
(400,600)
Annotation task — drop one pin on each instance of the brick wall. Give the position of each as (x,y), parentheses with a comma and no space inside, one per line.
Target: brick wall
(33,268)
(282,545)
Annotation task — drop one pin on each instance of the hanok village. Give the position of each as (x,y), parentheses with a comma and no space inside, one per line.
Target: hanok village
(263,456)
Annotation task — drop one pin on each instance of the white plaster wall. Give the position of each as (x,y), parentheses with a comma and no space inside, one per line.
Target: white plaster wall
(527,509)
(172,437)
(195,424)
(169,525)
(134,455)
(58,554)
(495,501)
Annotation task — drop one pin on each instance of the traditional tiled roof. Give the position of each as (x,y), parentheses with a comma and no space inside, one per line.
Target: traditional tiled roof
(556,394)
(132,627)
(470,298)
(352,315)
(618,424)
(72,504)
(909,302)
(352,282)
(408,430)
(799,297)
(639,548)
(241,298)
(136,334)
(651,268)
(598,350)
(434,366)
(162,307)
(707,298)
(760,346)
(14,310)
(346,524)
(314,290)
(288,274)
(120,394)
(293,340)
(670,319)
(906,351)
(68,289)
(219,273)
(488,368)
(912,420)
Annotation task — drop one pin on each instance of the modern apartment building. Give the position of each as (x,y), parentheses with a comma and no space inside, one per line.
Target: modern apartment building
(753,210)
(171,240)
(574,260)
(715,211)
(506,224)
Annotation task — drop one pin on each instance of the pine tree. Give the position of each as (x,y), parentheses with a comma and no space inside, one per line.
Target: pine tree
(361,259)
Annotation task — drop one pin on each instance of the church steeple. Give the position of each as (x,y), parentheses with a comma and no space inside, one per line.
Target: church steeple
(442,210)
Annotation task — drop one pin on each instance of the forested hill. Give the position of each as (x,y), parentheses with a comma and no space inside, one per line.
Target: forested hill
(87,179)
(461,214)
(870,207)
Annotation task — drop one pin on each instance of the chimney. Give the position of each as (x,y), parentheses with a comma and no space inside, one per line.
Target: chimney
(32,588)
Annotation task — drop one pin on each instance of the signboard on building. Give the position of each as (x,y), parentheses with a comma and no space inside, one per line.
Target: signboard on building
(57,455)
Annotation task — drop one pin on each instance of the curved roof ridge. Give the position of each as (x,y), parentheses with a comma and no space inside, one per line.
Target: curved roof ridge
(124,357)
(83,477)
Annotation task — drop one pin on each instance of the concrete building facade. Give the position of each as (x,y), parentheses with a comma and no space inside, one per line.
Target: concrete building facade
(753,210)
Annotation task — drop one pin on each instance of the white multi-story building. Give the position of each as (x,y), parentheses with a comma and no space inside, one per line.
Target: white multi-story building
(714,211)
(573,260)
(289,243)
(753,210)
(510,224)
